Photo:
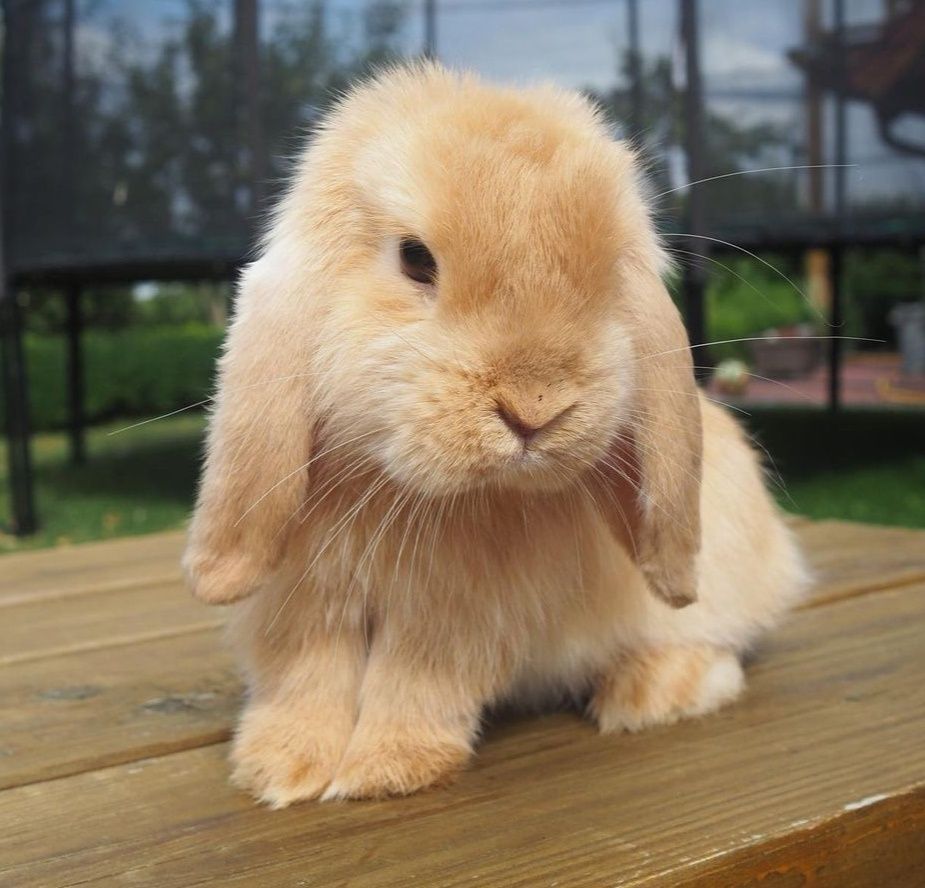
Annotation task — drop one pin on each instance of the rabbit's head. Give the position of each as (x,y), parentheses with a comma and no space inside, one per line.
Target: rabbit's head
(464,284)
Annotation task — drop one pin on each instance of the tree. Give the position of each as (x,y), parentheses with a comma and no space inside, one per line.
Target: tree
(730,145)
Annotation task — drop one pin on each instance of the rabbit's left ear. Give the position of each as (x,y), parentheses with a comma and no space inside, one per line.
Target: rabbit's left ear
(256,468)
(655,463)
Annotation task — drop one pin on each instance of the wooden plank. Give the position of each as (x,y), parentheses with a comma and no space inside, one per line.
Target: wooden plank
(851,559)
(135,621)
(75,712)
(879,846)
(815,778)
(116,617)
(90,567)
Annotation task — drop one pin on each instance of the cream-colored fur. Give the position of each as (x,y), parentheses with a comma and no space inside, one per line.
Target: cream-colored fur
(400,558)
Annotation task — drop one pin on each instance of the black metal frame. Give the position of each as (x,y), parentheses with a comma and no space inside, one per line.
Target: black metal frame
(17,404)
(693,286)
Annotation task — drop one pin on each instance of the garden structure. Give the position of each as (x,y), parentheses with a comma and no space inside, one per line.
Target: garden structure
(142,141)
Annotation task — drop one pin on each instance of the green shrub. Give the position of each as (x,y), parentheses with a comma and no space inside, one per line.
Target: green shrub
(736,309)
(132,372)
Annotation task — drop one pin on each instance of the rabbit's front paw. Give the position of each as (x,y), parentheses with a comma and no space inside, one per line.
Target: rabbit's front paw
(396,764)
(662,685)
(281,757)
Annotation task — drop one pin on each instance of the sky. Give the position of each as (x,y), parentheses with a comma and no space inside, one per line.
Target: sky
(578,43)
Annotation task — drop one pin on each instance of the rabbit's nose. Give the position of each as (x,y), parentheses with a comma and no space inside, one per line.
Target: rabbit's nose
(528,425)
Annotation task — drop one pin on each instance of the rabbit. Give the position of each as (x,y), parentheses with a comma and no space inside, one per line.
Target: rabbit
(457,456)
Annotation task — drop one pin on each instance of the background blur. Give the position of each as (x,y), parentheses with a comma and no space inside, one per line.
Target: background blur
(143,139)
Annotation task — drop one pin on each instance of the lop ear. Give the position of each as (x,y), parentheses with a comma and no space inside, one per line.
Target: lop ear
(656,496)
(259,441)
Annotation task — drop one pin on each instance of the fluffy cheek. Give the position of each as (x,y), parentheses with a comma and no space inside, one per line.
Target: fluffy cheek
(436,429)
(446,436)
(451,439)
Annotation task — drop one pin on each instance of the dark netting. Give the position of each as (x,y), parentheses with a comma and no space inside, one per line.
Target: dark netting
(772,74)
(142,133)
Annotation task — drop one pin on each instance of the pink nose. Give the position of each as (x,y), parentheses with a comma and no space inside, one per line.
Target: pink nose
(527,428)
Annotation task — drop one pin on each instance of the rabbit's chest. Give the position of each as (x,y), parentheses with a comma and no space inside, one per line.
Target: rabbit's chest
(544,575)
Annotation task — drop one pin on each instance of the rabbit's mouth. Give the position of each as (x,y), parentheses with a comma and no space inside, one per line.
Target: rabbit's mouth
(530,469)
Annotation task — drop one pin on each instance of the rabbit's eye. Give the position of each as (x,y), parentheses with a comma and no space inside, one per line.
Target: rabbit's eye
(417,262)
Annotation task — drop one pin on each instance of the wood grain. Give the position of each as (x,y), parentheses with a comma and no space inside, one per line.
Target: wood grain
(848,558)
(851,559)
(90,567)
(92,708)
(58,616)
(816,778)
(35,628)
(880,846)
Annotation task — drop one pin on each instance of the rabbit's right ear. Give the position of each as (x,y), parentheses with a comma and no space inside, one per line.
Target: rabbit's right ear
(259,441)
(655,464)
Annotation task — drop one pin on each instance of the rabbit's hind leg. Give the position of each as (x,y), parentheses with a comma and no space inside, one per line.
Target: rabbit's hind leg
(660,685)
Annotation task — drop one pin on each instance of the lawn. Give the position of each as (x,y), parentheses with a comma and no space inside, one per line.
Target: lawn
(136,481)
(859,466)
(878,494)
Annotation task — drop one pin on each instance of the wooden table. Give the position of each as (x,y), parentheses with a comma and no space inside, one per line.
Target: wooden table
(116,699)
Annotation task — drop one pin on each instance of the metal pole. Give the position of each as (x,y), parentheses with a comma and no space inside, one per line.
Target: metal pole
(19,456)
(812,20)
(430,29)
(635,71)
(68,133)
(247,61)
(75,375)
(13,364)
(694,282)
(841,153)
(69,201)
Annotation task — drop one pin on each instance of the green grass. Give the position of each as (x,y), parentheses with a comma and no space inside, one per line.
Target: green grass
(141,371)
(138,481)
(878,494)
(858,466)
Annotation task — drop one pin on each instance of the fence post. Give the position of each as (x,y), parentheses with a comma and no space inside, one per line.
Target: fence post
(75,375)
(17,410)
(694,282)
(248,96)
(837,252)
(430,29)
(637,105)
(12,359)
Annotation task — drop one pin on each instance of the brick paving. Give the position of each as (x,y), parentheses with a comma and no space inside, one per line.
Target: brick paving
(872,379)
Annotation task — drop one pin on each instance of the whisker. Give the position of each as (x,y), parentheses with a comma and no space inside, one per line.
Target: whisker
(203,402)
(373,489)
(698,394)
(809,166)
(384,524)
(420,500)
(420,351)
(819,315)
(790,388)
(672,351)
(156,418)
(754,256)
(343,477)
(301,468)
